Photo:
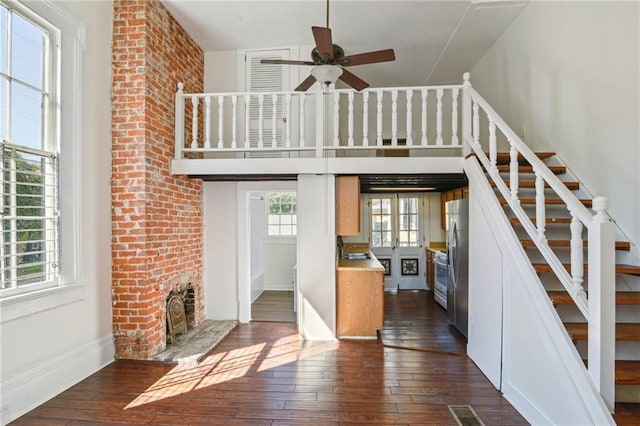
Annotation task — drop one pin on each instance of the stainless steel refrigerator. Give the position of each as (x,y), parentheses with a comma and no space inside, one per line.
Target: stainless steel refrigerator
(457,215)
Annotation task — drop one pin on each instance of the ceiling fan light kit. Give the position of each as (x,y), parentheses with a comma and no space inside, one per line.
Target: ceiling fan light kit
(326,74)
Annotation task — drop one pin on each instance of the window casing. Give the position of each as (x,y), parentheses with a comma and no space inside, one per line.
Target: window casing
(29,239)
(395,221)
(282,220)
(61,133)
(381,222)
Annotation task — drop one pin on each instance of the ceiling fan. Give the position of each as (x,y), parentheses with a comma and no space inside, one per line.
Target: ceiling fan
(329,61)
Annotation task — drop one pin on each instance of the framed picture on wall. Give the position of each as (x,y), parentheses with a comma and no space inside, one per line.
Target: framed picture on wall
(409,266)
(387,265)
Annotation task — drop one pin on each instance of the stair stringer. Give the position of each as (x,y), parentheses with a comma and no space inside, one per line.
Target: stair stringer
(542,373)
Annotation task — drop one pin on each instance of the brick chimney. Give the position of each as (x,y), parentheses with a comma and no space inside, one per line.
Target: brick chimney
(156,217)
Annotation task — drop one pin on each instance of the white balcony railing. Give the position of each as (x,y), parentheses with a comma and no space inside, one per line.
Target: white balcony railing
(310,124)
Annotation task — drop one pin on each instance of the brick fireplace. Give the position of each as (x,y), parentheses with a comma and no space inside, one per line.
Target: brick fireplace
(156,217)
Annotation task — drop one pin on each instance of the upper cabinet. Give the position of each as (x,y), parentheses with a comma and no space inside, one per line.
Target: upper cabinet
(347,205)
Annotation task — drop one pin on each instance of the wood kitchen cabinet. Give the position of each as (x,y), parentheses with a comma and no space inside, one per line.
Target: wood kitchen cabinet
(450,195)
(430,270)
(360,303)
(347,205)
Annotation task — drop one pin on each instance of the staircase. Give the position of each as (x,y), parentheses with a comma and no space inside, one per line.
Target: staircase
(627,369)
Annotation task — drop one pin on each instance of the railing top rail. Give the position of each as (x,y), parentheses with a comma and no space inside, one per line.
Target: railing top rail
(293,92)
(573,204)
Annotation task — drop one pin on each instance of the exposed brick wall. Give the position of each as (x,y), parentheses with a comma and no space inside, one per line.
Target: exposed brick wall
(156,217)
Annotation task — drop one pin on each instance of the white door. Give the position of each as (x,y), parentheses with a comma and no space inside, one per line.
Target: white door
(264,131)
(396,239)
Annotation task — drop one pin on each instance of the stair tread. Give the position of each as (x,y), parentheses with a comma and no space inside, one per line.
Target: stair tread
(502,157)
(558,170)
(621,268)
(554,201)
(627,372)
(548,221)
(532,184)
(620,245)
(625,332)
(561,297)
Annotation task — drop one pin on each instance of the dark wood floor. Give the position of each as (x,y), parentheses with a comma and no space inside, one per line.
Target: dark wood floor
(261,374)
(273,306)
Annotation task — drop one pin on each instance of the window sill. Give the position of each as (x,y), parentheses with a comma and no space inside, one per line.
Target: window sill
(23,305)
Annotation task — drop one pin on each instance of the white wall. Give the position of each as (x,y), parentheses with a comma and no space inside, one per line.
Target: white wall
(565,74)
(316,257)
(220,71)
(279,259)
(44,353)
(220,245)
(256,213)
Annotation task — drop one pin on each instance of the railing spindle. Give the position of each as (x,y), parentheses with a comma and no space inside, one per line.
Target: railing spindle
(493,147)
(379,96)
(194,122)
(409,117)
(178,131)
(540,207)
(220,122)
(336,118)
(439,94)
(274,121)
(394,118)
(365,118)
(260,121)
(234,120)
(577,253)
(287,121)
(454,116)
(301,121)
(207,122)
(476,124)
(513,172)
(350,118)
(425,94)
(247,121)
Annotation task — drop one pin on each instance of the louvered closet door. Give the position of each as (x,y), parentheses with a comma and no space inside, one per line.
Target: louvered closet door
(267,78)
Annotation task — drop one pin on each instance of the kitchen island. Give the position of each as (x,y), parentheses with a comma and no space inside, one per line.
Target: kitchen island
(360,292)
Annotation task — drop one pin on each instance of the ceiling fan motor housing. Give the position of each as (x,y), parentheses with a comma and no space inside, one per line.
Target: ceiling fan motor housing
(318,59)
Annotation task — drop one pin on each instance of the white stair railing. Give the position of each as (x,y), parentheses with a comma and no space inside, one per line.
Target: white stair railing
(317,121)
(482,127)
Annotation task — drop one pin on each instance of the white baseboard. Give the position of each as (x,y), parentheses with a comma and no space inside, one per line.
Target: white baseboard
(30,388)
(278,287)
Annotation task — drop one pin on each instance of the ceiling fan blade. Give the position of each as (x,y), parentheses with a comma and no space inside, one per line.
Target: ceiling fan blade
(324,43)
(304,86)
(284,62)
(368,58)
(353,81)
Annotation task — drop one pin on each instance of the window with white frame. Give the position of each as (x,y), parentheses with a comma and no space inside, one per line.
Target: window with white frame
(408,222)
(29,238)
(381,221)
(281,214)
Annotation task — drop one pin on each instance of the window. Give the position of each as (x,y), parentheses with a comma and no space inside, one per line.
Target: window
(40,129)
(381,232)
(29,238)
(408,219)
(281,214)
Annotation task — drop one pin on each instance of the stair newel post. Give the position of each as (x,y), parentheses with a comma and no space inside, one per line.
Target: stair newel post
(365,118)
(178,131)
(540,207)
(577,253)
(466,111)
(493,146)
(601,275)
(194,121)
(513,172)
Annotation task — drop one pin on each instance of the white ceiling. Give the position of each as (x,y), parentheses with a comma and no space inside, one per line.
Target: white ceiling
(421,32)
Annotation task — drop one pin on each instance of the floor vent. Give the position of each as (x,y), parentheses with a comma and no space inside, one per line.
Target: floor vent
(465,416)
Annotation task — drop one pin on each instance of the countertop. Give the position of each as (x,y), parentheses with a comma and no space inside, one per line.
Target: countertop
(359,265)
(436,246)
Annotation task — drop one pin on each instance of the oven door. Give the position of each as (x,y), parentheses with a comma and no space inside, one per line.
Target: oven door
(440,287)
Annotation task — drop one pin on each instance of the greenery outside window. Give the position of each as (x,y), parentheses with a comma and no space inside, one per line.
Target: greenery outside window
(281,214)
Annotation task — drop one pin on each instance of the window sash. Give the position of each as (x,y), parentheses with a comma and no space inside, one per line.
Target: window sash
(282,220)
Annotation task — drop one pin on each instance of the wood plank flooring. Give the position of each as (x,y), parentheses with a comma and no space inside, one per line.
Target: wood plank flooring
(273,306)
(262,374)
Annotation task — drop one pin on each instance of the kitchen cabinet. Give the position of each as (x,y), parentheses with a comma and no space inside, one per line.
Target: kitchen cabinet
(450,195)
(360,302)
(430,269)
(347,205)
